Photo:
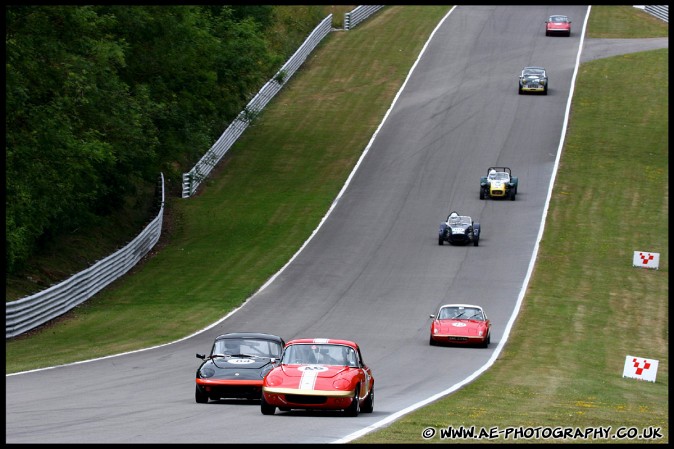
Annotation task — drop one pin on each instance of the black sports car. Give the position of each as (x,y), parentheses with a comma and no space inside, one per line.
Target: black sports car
(459,230)
(236,366)
(533,79)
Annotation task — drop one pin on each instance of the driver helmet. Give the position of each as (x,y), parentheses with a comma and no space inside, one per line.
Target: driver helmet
(453,215)
(492,173)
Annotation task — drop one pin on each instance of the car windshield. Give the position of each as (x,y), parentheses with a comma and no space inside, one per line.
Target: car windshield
(254,347)
(458,220)
(533,72)
(500,176)
(320,354)
(460,312)
(559,19)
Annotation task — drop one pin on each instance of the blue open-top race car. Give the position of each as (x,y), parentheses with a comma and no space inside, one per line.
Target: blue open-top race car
(459,230)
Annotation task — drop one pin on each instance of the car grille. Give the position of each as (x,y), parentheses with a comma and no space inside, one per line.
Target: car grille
(457,338)
(232,391)
(459,238)
(305,399)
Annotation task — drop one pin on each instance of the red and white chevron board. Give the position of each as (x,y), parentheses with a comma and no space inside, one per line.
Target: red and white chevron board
(640,368)
(645,259)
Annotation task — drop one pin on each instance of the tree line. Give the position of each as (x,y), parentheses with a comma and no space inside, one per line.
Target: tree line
(101,99)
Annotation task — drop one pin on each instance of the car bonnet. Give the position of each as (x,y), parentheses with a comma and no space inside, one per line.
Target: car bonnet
(323,371)
(460,327)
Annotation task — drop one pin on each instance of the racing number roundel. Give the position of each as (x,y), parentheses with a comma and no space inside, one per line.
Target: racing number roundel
(240,361)
(314,368)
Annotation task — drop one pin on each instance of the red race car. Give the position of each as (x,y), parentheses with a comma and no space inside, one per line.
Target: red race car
(558,24)
(319,374)
(462,324)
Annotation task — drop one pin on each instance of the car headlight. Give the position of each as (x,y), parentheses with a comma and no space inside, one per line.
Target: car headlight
(274,380)
(207,372)
(341,384)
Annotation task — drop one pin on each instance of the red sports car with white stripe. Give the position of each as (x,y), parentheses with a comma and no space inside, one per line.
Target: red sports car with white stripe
(463,324)
(319,374)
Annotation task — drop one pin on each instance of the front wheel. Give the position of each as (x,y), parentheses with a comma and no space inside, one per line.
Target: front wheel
(441,241)
(481,194)
(368,405)
(266,408)
(200,397)
(354,409)
(475,242)
(486,342)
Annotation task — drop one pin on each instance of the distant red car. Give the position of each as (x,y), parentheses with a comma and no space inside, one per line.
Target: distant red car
(319,374)
(558,24)
(462,324)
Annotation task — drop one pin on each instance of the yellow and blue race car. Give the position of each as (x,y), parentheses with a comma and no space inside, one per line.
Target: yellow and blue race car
(499,183)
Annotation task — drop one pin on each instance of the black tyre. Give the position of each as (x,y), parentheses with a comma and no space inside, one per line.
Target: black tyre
(512,195)
(368,405)
(441,241)
(266,408)
(354,409)
(545,90)
(481,194)
(476,241)
(487,341)
(432,342)
(519,90)
(200,397)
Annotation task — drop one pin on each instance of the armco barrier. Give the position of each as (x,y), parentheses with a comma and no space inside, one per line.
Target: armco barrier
(193,178)
(659,11)
(32,311)
(362,12)
(201,170)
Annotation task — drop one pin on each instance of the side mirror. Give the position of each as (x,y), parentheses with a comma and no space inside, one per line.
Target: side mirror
(201,356)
